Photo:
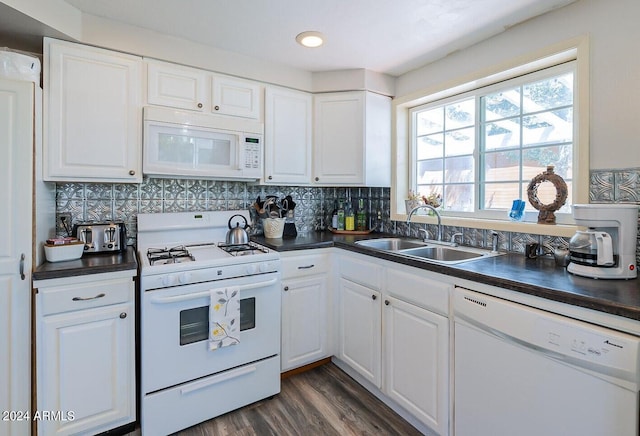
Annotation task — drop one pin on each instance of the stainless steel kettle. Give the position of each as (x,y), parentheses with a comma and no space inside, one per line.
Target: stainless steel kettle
(592,248)
(238,235)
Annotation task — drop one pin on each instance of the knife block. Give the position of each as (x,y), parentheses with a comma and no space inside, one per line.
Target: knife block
(289,230)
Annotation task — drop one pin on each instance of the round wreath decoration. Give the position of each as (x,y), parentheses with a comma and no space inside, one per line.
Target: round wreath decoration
(546,214)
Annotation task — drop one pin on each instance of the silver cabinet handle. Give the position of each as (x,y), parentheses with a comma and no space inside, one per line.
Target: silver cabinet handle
(306,266)
(123,315)
(22,267)
(373,297)
(217,108)
(199,105)
(132,173)
(387,302)
(87,298)
(286,288)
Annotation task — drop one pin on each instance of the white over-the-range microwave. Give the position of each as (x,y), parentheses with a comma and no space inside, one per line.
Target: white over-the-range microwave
(193,145)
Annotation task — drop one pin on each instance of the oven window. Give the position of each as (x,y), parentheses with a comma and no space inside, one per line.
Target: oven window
(194,323)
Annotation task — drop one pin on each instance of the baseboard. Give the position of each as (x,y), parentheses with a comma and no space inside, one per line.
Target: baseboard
(305,368)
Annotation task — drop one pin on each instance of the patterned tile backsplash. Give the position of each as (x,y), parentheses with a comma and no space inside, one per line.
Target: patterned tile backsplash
(97,201)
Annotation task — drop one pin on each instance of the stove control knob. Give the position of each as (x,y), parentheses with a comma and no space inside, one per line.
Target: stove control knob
(264,267)
(167,280)
(252,269)
(184,277)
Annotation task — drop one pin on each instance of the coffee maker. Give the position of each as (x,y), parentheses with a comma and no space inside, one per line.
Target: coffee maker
(607,248)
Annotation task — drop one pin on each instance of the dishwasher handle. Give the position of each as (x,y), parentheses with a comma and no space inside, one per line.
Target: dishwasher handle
(193,296)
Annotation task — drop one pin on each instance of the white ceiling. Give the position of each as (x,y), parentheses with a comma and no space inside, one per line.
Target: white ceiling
(385,36)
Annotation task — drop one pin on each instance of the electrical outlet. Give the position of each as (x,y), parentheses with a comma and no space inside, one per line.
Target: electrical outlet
(63,224)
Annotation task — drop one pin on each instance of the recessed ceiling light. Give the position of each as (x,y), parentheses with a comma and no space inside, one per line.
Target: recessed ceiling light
(310,39)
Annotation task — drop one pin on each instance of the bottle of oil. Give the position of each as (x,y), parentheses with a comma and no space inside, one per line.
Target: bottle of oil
(361,216)
(349,217)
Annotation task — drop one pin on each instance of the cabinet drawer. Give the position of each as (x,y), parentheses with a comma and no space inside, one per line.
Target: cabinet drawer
(78,296)
(416,288)
(361,271)
(305,265)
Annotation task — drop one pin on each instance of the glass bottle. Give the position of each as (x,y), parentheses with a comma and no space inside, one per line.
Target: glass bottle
(361,216)
(341,216)
(349,217)
(334,215)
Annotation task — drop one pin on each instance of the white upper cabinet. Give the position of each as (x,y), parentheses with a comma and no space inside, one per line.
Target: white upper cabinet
(199,90)
(176,86)
(236,97)
(92,114)
(352,139)
(288,136)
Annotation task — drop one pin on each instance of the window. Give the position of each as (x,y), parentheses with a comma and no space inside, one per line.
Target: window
(480,149)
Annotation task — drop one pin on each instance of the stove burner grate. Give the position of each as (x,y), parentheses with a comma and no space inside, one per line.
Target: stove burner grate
(163,256)
(243,249)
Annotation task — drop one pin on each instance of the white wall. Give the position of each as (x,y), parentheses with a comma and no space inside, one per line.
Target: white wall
(614,34)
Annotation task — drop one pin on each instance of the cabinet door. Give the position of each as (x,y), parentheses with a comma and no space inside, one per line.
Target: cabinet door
(16,157)
(176,86)
(87,370)
(288,136)
(236,97)
(92,114)
(305,329)
(416,361)
(359,335)
(339,138)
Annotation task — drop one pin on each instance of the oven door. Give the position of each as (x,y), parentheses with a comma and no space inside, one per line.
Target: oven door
(174,325)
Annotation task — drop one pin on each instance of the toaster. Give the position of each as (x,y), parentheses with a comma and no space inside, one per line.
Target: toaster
(99,237)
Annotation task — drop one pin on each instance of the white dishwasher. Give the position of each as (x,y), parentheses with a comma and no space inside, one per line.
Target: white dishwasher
(524,371)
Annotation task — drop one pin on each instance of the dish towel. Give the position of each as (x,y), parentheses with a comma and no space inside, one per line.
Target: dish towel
(224,317)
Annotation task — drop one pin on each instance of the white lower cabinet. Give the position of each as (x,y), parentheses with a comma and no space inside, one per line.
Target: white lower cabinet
(85,351)
(394,332)
(415,361)
(306,326)
(359,329)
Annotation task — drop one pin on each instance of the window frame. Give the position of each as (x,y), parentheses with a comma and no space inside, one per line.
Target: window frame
(576,49)
(478,153)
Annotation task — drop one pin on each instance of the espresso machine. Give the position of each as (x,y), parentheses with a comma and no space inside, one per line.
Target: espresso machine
(606,249)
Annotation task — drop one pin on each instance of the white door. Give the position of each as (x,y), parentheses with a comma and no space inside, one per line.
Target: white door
(416,361)
(92,114)
(88,371)
(16,157)
(304,331)
(339,138)
(176,86)
(360,336)
(235,97)
(288,125)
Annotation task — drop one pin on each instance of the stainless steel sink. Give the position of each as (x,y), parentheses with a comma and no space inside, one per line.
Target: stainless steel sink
(391,244)
(443,254)
(433,252)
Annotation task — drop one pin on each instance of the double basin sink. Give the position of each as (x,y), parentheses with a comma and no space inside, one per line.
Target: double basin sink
(427,251)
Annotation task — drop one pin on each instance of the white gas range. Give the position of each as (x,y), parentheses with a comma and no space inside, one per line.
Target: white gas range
(183,263)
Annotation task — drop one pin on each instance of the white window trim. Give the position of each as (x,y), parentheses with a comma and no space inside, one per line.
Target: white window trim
(576,49)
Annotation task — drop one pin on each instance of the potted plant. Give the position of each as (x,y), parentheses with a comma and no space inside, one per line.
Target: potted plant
(414,201)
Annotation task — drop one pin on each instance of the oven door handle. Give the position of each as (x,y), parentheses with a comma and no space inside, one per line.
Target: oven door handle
(229,375)
(187,297)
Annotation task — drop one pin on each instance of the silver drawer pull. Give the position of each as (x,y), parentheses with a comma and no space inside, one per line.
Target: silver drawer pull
(87,298)
(306,266)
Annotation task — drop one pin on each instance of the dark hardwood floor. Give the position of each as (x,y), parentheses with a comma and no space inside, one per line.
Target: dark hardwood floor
(322,401)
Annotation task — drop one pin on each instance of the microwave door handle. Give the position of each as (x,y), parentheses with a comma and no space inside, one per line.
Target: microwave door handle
(187,297)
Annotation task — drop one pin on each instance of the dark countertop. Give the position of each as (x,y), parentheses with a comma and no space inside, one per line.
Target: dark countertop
(539,277)
(88,264)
